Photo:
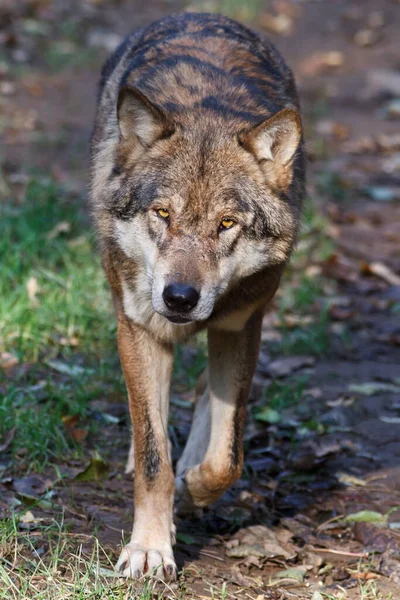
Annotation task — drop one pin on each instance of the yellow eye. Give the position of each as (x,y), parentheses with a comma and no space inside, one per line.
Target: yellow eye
(227,223)
(163,213)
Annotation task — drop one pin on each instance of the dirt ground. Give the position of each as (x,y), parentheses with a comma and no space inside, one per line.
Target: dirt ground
(293,526)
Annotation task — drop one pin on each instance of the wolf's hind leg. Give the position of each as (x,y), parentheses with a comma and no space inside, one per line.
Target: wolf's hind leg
(195,448)
(199,436)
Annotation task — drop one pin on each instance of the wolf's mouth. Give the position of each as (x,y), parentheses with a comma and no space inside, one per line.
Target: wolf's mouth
(179,320)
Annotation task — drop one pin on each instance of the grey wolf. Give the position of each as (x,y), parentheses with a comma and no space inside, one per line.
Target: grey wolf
(197,180)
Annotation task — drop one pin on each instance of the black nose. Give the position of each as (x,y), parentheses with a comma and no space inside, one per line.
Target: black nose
(180,297)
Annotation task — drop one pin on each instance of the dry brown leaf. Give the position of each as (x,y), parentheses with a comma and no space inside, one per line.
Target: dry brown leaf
(285,366)
(8,439)
(380,270)
(367,37)
(62,227)
(32,287)
(77,433)
(69,341)
(366,576)
(8,361)
(280,24)
(320,62)
(260,541)
(32,485)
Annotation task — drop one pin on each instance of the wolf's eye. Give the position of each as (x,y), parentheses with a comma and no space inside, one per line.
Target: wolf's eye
(164,214)
(226,224)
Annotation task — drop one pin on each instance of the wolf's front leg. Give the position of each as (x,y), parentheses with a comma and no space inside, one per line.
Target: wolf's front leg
(147,368)
(232,361)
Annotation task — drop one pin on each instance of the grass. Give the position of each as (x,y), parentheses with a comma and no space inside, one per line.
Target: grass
(52,288)
(236,9)
(55,310)
(302,290)
(49,563)
(279,396)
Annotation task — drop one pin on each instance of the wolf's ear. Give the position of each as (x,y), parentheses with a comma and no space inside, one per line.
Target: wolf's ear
(276,139)
(140,118)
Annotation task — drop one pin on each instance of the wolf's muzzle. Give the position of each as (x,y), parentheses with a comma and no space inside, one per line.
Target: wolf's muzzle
(180,298)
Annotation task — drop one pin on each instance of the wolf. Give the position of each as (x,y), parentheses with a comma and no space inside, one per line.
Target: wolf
(197,181)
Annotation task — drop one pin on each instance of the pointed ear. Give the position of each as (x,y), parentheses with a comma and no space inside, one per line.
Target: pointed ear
(140,118)
(276,139)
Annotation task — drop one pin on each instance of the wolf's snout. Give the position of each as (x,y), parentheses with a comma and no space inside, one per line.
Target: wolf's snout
(180,297)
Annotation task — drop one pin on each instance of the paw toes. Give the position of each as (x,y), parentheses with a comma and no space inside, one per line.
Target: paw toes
(170,571)
(135,562)
(122,566)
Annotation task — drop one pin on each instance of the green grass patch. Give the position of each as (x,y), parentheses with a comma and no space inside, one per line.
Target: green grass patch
(279,396)
(302,291)
(306,339)
(52,288)
(48,563)
(56,317)
(236,9)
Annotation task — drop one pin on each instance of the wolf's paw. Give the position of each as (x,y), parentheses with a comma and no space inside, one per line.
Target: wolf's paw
(136,561)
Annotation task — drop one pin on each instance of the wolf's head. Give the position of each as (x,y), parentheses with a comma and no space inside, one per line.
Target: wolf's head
(198,204)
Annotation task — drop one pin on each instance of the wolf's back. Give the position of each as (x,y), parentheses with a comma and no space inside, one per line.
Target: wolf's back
(198,63)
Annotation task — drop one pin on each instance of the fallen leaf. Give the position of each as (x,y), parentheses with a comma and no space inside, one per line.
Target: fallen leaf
(268,415)
(8,361)
(286,366)
(260,541)
(338,267)
(96,470)
(366,516)
(365,576)
(380,270)
(62,227)
(389,567)
(27,521)
(367,37)
(373,537)
(69,341)
(373,387)
(103,572)
(244,550)
(386,419)
(294,573)
(8,439)
(27,517)
(280,24)
(351,480)
(392,108)
(327,127)
(32,287)
(34,490)
(65,369)
(32,485)
(312,455)
(321,62)
(77,433)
